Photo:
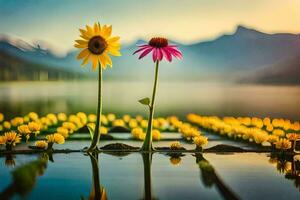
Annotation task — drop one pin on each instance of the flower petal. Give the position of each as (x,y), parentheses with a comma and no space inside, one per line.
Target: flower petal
(154,55)
(167,54)
(141,49)
(85,60)
(174,51)
(94,61)
(145,52)
(159,54)
(113,51)
(83,54)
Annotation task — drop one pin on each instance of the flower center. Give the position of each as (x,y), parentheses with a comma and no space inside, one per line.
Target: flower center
(158,42)
(97,45)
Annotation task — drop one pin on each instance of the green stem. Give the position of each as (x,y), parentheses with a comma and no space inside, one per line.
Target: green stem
(96,137)
(147,146)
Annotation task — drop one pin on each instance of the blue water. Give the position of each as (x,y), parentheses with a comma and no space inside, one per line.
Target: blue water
(247,175)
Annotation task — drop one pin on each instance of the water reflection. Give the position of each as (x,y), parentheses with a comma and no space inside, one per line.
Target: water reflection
(10,160)
(210,178)
(97,192)
(24,177)
(287,165)
(147,162)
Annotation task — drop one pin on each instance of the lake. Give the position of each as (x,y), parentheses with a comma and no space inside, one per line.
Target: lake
(71,176)
(173,98)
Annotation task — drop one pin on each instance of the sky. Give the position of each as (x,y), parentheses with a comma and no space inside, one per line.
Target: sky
(56,22)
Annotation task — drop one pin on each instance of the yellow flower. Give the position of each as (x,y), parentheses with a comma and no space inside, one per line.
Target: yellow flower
(41,144)
(278,132)
(6,125)
(111,117)
(70,126)
(11,138)
(133,123)
(33,116)
(2,140)
(1,117)
(92,118)
(97,43)
(292,136)
(200,141)
(34,127)
(62,117)
(283,144)
(119,122)
(63,131)
(17,121)
(103,130)
(273,138)
(83,118)
(144,123)
(156,134)
(126,118)
(24,130)
(175,145)
(55,138)
(52,117)
(137,133)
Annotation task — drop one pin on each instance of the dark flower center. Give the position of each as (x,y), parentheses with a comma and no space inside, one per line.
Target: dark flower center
(158,42)
(97,45)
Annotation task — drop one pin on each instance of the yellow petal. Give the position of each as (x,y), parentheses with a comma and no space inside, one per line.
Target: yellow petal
(113,51)
(85,60)
(106,32)
(80,45)
(102,61)
(81,41)
(94,61)
(113,39)
(83,54)
(96,29)
(108,60)
(89,30)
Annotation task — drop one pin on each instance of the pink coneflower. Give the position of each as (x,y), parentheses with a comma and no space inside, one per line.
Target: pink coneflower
(160,48)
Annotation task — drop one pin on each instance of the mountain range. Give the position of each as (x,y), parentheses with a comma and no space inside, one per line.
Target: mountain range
(246,55)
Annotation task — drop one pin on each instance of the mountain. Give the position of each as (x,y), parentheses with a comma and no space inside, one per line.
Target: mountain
(286,71)
(227,58)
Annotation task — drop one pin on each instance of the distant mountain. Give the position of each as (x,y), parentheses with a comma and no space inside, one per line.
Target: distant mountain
(227,57)
(286,71)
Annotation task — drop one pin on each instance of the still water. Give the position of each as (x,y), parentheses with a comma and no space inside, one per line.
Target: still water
(177,98)
(142,176)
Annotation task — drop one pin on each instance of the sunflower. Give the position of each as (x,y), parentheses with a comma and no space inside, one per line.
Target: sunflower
(97,43)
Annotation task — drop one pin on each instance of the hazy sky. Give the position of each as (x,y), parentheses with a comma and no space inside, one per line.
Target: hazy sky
(57,21)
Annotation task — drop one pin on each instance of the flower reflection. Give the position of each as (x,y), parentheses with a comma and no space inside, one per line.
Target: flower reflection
(175,160)
(210,178)
(9,160)
(287,165)
(24,177)
(97,192)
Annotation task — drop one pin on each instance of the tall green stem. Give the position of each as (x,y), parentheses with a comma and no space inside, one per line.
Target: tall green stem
(96,137)
(147,146)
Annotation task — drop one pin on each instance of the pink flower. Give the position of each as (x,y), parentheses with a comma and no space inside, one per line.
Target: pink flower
(160,48)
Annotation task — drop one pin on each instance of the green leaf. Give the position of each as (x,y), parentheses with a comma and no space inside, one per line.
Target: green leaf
(145,101)
(91,130)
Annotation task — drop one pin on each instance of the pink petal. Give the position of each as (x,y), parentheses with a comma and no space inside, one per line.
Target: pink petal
(159,54)
(154,55)
(145,52)
(175,52)
(141,49)
(167,54)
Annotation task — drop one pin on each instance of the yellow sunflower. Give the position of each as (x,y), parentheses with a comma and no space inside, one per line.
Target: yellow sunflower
(97,43)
